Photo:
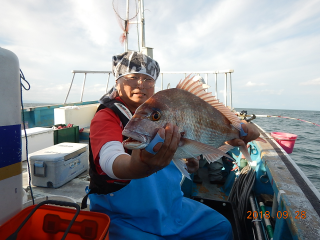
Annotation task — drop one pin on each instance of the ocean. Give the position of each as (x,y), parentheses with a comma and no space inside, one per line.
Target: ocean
(28,105)
(306,152)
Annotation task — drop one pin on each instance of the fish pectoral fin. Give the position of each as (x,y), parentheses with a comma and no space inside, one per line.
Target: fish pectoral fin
(195,148)
(181,165)
(260,139)
(244,151)
(210,153)
(226,148)
(217,155)
(212,157)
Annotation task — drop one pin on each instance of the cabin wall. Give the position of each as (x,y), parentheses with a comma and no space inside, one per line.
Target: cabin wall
(44,116)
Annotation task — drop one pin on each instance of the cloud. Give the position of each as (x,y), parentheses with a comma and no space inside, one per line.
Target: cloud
(311,82)
(251,84)
(270,45)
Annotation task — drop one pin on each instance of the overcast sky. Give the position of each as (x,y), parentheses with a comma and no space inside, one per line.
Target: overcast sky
(272,45)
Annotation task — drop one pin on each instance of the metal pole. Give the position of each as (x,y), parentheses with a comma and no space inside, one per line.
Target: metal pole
(207,81)
(225,89)
(161,81)
(143,37)
(125,28)
(256,222)
(216,86)
(274,207)
(84,82)
(69,89)
(230,91)
(107,83)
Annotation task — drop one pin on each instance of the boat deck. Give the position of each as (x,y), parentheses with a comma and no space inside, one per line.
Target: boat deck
(74,190)
(207,189)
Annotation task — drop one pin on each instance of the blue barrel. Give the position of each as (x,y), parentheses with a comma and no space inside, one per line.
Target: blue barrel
(11,191)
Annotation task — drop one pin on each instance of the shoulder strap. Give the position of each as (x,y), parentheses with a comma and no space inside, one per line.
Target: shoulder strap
(111,104)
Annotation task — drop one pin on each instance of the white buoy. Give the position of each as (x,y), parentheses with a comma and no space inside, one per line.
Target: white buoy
(10,136)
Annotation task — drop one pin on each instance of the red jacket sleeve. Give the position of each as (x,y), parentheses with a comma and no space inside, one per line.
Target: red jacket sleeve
(105,127)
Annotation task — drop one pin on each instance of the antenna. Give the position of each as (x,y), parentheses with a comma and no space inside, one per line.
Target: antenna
(126,11)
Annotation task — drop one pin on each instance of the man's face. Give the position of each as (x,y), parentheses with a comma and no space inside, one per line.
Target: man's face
(134,89)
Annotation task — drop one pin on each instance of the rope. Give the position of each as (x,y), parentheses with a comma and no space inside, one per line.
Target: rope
(125,28)
(24,128)
(137,11)
(240,192)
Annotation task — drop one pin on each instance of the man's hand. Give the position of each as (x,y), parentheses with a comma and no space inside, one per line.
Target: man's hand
(142,163)
(251,130)
(164,151)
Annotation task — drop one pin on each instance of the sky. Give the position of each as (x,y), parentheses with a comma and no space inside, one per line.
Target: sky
(273,46)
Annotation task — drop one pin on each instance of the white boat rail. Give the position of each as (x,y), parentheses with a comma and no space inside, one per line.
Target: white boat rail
(205,73)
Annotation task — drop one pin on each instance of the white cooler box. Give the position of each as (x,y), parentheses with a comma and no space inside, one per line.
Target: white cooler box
(38,138)
(54,166)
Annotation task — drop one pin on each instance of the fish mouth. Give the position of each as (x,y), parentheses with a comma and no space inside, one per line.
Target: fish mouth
(135,140)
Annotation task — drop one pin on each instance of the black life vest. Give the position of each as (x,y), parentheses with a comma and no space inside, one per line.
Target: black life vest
(103,184)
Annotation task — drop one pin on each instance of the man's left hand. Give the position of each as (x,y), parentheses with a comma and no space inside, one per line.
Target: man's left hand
(251,130)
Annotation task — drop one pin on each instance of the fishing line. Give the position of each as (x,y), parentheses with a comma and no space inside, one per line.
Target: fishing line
(24,128)
(244,116)
(288,118)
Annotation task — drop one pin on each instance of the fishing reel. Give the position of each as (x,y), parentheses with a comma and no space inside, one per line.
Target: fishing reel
(244,116)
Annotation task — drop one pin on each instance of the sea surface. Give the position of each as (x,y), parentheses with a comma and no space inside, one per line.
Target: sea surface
(28,105)
(306,152)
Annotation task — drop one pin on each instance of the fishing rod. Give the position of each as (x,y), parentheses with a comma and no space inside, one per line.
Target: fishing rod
(243,115)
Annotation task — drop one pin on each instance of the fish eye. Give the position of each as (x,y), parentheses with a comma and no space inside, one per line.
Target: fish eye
(155,116)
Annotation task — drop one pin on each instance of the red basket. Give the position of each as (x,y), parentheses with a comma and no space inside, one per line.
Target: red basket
(50,223)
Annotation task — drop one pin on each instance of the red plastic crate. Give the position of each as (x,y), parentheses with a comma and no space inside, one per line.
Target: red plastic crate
(49,222)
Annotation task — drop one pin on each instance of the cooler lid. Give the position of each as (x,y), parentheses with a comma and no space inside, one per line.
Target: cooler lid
(35,131)
(62,151)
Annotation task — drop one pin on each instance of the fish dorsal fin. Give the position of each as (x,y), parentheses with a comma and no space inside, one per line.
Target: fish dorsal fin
(196,88)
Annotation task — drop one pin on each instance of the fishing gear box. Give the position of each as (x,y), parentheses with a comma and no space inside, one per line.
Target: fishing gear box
(50,222)
(56,165)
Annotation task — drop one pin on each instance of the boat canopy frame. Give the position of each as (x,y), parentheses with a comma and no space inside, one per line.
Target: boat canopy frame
(227,86)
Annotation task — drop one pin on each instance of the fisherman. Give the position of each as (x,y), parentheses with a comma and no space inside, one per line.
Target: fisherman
(140,191)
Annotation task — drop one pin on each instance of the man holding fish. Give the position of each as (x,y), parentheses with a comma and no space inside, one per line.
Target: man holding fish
(140,188)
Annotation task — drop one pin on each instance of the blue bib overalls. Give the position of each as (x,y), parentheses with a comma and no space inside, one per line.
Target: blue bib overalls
(154,208)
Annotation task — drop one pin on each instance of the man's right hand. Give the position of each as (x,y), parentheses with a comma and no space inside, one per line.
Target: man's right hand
(142,163)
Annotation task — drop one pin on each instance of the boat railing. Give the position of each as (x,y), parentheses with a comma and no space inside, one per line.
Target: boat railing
(227,92)
(84,81)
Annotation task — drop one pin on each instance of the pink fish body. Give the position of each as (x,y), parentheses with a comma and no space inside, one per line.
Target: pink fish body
(204,123)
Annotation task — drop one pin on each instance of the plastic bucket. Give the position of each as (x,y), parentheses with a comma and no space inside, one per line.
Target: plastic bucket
(285,140)
(50,222)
